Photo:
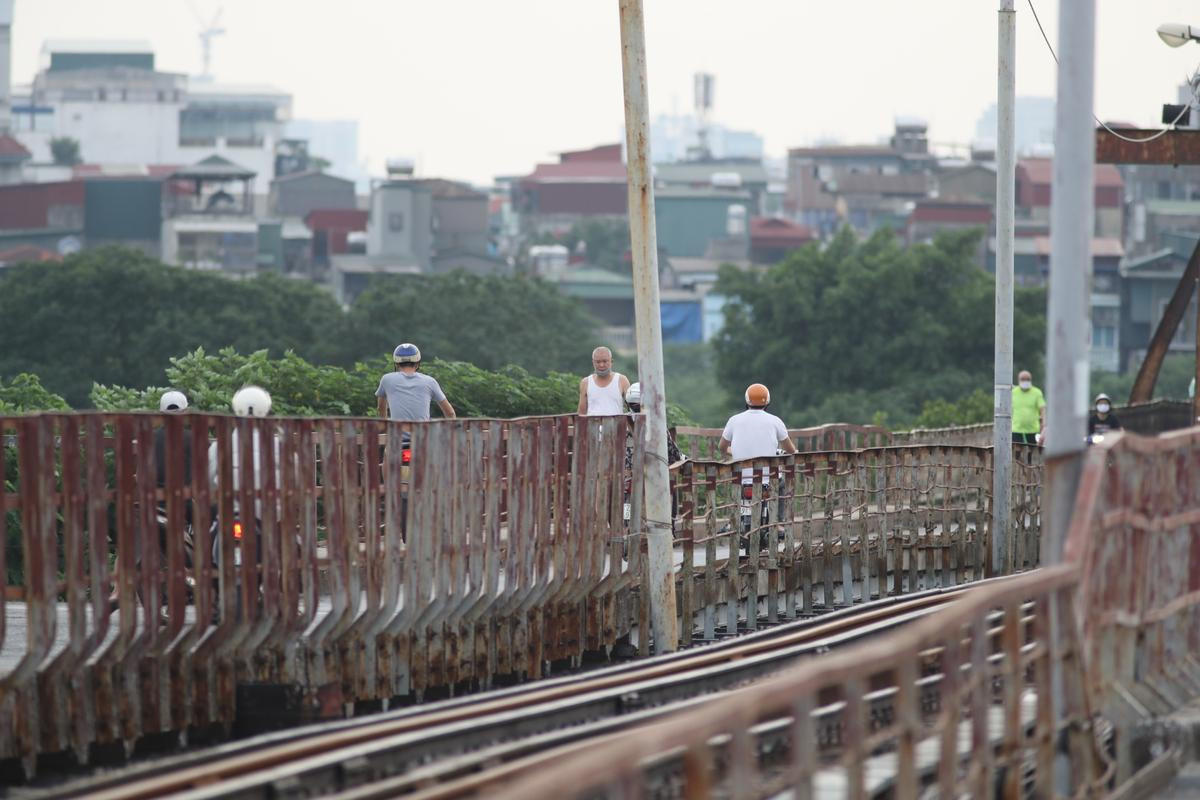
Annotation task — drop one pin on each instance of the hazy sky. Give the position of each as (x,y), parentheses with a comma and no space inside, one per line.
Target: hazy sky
(475,88)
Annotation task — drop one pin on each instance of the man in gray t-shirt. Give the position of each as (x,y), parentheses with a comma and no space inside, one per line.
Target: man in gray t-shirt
(405,395)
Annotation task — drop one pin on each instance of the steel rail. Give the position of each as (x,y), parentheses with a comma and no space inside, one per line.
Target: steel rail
(751,654)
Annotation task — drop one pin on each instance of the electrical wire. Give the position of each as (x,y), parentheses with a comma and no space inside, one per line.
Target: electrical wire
(1186,108)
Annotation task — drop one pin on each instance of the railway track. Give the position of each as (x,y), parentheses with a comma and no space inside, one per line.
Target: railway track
(456,747)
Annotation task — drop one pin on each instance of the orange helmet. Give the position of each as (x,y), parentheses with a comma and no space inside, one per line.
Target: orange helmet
(757,395)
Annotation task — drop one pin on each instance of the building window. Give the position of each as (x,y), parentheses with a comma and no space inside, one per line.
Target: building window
(395,221)
(1104,337)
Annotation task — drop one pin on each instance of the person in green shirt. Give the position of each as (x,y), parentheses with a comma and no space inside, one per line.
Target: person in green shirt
(1028,410)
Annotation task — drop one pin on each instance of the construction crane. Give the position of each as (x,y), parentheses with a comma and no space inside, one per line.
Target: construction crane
(208,31)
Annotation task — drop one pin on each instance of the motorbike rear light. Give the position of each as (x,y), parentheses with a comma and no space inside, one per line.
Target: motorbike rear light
(406,456)
(748,491)
(237,530)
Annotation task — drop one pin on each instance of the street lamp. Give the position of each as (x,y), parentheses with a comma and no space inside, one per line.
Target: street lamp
(1177,34)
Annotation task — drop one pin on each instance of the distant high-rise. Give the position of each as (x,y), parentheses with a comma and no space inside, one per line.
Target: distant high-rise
(1034,125)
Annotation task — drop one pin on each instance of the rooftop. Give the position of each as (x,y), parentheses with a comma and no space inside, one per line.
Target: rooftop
(309,173)
(578,172)
(771,230)
(1041,170)
(216,168)
(946,210)
(11,150)
(99,46)
(838,150)
(442,188)
(27,253)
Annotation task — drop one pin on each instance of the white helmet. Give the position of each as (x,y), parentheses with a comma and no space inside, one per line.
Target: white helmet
(251,401)
(633,395)
(173,401)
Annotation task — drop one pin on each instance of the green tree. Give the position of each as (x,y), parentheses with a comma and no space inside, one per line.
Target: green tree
(26,393)
(115,316)
(490,321)
(65,151)
(861,331)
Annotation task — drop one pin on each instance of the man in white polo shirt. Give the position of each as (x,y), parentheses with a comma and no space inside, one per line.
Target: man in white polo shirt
(754,433)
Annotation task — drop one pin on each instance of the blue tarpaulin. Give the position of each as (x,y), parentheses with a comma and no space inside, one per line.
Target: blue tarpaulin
(682,322)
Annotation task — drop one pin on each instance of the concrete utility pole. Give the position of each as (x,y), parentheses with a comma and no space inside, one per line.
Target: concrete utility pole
(1006,175)
(644,241)
(1071,223)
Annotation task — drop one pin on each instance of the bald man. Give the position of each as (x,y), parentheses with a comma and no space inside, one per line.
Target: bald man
(602,394)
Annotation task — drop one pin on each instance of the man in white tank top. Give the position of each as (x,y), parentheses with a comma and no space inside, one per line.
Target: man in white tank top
(602,394)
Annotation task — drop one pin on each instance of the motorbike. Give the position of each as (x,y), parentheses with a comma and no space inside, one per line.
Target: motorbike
(240,550)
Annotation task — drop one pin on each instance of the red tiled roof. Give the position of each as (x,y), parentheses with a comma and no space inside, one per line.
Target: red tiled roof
(120,171)
(578,172)
(1041,170)
(27,253)
(967,213)
(344,219)
(604,152)
(774,230)
(10,147)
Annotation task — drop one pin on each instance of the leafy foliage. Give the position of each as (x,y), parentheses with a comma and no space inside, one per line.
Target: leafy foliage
(868,331)
(491,321)
(299,388)
(65,151)
(26,393)
(113,315)
(976,407)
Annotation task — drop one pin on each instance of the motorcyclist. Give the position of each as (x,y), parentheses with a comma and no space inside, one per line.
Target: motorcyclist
(405,394)
(754,433)
(171,402)
(1102,420)
(249,401)
(633,398)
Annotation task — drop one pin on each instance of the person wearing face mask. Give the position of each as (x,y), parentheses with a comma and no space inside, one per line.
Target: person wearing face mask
(1028,410)
(1102,420)
(602,394)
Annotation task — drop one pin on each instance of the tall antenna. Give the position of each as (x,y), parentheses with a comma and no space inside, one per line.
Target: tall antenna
(702,99)
(208,32)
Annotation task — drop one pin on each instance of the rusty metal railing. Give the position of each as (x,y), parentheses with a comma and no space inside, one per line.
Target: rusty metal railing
(830,529)
(1136,534)
(960,700)
(164,560)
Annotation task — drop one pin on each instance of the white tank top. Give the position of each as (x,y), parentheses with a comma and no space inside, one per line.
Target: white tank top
(605,401)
